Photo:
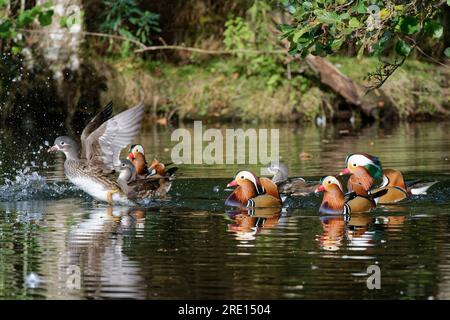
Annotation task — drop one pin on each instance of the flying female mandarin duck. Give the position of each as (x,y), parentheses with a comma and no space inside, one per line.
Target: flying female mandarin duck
(101,142)
(137,157)
(252,191)
(334,201)
(398,190)
(363,169)
(286,185)
(154,186)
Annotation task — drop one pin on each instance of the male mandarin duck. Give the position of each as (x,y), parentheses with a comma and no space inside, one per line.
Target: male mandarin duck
(159,168)
(252,191)
(286,185)
(398,189)
(363,169)
(101,142)
(137,157)
(334,201)
(153,186)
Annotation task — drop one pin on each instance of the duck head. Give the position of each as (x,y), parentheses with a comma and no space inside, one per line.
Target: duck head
(247,180)
(279,171)
(355,162)
(135,149)
(66,145)
(329,184)
(333,195)
(126,169)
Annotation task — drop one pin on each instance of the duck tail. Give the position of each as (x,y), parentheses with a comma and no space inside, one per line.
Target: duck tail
(418,187)
(171,171)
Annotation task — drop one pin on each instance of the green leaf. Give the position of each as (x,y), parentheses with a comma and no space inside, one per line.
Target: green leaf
(5,27)
(434,29)
(447,51)
(409,25)
(63,22)
(336,44)
(378,47)
(361,7)
(354,23)
(448,2)
(307,5)
(299,33)
(402,48)
(24,18)
(45,18)
(344,16)
(327,17)
(16,50)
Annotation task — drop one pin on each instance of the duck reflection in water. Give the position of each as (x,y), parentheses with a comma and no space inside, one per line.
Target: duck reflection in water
(357,231)
(340,229)
(96,246)
(247,223)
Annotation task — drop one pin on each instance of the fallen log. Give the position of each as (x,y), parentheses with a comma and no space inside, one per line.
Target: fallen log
(329,75)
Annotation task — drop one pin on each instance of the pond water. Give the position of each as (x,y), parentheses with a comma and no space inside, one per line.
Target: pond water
(57,243)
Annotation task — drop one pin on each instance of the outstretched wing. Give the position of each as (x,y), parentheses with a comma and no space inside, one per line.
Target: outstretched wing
(103,145)
(96,122)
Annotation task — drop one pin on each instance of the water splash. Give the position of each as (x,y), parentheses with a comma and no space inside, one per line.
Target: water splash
(30,185)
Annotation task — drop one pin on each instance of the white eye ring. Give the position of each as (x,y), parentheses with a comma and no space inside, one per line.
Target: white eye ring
(62,143)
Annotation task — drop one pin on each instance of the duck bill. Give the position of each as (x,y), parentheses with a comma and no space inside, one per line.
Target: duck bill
(344,172)
(55,148)
(319,189)
(131,156)
(232,183)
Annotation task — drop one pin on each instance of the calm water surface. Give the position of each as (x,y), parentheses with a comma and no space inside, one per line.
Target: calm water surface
(57,243)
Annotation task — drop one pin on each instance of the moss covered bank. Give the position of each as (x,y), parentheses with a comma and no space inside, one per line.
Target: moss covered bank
(218,90)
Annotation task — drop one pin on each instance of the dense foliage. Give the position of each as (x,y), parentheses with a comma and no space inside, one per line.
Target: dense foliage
(125,18)
(11,23)
(324,27)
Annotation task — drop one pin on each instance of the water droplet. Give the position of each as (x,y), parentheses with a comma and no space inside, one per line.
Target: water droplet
(32,281)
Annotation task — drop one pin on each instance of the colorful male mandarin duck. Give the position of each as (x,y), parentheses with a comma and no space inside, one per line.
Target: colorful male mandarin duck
(286,185)
(101,142)
(252,191)
(363,169)
(398,190)
(154,186)
(137,157)
(159,168)
(334,201)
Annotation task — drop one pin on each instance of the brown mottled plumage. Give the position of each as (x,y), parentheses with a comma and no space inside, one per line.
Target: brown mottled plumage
(101,142)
